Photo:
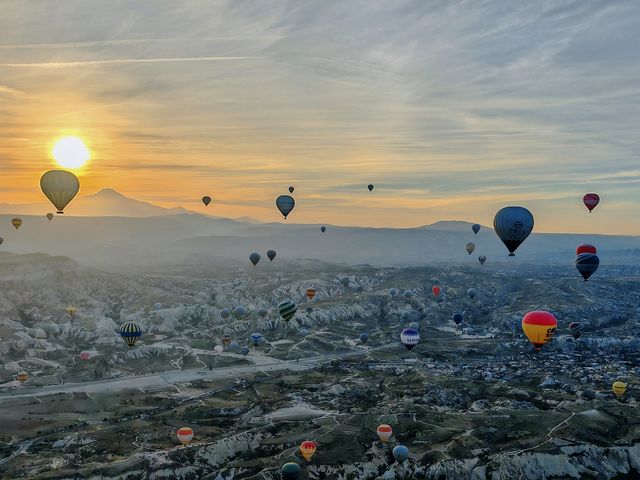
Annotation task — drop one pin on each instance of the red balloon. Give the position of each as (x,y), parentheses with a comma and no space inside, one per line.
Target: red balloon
(436,290)
(586,248)
(591,200)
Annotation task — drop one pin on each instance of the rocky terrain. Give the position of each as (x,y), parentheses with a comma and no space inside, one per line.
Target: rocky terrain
(470,402)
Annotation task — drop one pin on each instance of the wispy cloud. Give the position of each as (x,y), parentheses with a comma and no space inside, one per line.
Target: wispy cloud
(122,61)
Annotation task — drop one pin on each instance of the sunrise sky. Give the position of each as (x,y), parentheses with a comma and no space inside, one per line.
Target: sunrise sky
(452,109)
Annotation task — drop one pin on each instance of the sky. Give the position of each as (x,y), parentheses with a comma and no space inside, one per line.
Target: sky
(452,109)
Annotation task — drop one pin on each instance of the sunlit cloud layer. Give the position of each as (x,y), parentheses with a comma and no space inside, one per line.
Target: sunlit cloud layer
(452,109)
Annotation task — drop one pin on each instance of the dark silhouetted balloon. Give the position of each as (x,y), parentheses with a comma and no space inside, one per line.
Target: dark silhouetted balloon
(254,258)
(476,228)
(370,187)
(587,264)
(206,200)
(271,254)
(591,201)
(285,204)
(513,225)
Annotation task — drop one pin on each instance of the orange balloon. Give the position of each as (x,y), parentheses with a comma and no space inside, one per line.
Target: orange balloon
(22,377)
(185,435)
(311,292)
(308,449)
(384,432)
(539,327)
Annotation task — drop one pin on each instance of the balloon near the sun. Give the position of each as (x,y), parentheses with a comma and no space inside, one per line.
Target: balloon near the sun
(71,152)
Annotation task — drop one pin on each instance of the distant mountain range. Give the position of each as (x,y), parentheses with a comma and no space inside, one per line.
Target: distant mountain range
(114,232)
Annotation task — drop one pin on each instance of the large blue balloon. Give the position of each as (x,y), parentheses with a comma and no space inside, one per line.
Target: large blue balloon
(400,453)
(285,204)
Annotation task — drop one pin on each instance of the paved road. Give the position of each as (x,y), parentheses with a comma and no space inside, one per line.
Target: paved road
(167,379)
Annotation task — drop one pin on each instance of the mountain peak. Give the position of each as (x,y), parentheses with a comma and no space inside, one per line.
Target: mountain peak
(108,192)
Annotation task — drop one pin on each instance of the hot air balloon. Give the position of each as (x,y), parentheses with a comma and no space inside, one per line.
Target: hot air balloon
(290,471)
(409,338)
(130,332)
(1,240)
(206,200)
(226,339)
(364,337)
(291,189)
(22,377)
(323,229)
(370,187)
(482,259)
(287,310)
(218,349)
(619,388)
(16,222)
(407,294)
(436,291)
(185,435)
(49,216)
(513,225)
(285,204)
(271,254)
(255,258)
(393,292)
(470,247)
(586,248)
(60,187)
(71,311)
(575,329)
(384,432)
(85,355)
(311,292)
(591,201)
(234,347)
(472,292)
(225,313)
(539,327)
(239,312)
(400,453)
(308,449)
(256,338)
(476,228)
(458,318)
(245,351)
(587,264)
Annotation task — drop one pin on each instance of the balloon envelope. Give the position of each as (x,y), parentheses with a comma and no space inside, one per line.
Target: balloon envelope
(16,222)
(206,200)
(409,338)
(323,229)
(370,187)
(513,225)
(311,292)
(256,338)
(384,432)
(400,453)
(60,187)
(254,258)
(470,247)
(308,449)
(130,332)
(476,228)
(457,318)
(271,254)
(287,310)
(285,204)
(472,292)
(22,377)
(619,388)
(539,327)
(587,264)
(364,337)
(291,189)
(239,312)
(586,248)
(482,259)
(436,290)
(185,435)
(290,471)
(591,200)
(225,313)
(575,329)
(85,355)
(49,216)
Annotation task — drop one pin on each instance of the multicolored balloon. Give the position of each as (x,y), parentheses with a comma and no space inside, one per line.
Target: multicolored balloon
(185,435)
(130,333)
(409,338)
(308,449)
(587,264)
(311,292)
(256,338)
(22,377)
(539,327)
(384,432)
(586,248)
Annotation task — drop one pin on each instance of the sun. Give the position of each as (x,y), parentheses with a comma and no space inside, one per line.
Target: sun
(71,152)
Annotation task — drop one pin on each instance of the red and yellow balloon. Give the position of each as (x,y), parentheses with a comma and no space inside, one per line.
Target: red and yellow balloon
(539,327)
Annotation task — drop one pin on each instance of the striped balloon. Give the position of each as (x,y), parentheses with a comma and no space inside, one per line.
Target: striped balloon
(287,310)
(185,435)
(130,332)
(384,432)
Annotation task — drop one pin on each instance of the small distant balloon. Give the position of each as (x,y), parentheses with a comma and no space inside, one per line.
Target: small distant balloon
(370,187)
(271,254)
(285,204)
(311,292)
(482,259)
(225,313)
(619,388)
(245,351)
(384,432)
(290,471)
(130,333)
(85,355)
(470,247)
(22,377)
(263,312)
(218,349)
(239,312)
(436,291)
(49,216)
(71,311)
(400,453)
(476,228)
(323,229)
(291,189)
(364,337)
(308,449)
(472,292)
(407,294)
(254,258)
(185,435)
(226,339)
(206,200)
(393,292)
(16,222)
(458,318)
(409,338)
(256,338)
(591,201)
(575,329)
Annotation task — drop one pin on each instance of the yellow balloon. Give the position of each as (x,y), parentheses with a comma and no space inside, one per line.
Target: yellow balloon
(71,311)
(17,223)
(619,388)
(60,187)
